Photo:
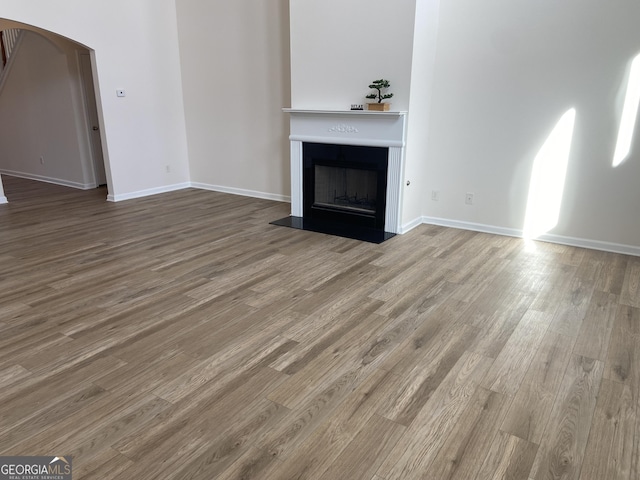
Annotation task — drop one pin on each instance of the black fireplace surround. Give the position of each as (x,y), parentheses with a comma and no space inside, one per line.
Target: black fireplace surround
(344,191)
(345,184)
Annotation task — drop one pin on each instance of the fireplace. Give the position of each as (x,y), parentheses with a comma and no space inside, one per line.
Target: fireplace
(345,184)
(347,170)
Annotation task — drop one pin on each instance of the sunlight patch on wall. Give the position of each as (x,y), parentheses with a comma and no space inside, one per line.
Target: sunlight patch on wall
(629,114)
(548,179)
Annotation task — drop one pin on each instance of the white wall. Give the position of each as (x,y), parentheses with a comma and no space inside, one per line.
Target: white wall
(41,114)
(422,72)
(136,49)
(235,73)
(505,72)
(331,69)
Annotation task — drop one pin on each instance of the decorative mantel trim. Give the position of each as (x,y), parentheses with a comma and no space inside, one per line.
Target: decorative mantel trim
(342,128)
(364,128)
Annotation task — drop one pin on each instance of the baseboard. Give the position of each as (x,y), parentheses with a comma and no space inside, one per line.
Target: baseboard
(3,200)
(551,238)
(416,222)
(55,181)
(201,186)
(148,192)
(154,191)
(476,227)
(592,244)
(243,192)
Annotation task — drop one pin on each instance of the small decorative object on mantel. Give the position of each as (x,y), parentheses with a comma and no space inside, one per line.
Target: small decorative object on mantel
(356,107)
(379,85)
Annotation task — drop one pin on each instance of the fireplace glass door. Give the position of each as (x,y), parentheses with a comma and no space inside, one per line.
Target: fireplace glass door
(349,189)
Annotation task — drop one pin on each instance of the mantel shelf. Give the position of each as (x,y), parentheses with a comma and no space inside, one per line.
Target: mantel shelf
(345,112)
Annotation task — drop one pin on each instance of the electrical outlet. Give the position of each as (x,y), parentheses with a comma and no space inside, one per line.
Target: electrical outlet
(468,199)
(168,169)
(41,160)
(435,195)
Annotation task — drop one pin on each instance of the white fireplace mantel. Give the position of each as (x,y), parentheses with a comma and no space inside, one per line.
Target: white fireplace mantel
(351,127)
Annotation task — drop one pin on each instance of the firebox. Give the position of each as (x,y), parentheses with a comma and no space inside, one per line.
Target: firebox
(345,184)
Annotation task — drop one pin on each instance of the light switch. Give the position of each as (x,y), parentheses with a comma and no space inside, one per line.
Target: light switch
(121,93)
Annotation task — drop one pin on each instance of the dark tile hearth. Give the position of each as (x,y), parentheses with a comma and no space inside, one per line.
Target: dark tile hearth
(356,232)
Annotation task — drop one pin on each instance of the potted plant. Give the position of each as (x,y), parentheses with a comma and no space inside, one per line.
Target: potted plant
(379,85)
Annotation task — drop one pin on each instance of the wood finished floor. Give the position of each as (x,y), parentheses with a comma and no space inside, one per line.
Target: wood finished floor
(183,337)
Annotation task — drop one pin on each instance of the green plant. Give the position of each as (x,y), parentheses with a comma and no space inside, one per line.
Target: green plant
(380,85)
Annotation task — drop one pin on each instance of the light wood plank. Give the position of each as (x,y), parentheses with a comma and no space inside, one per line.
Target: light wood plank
(573,307)
(612,271)
(534,400)
(305,420)
(12,374)
(510,458)
(109,465)
(609,453)
(623,357)
(366,451)
(187,432)
(326,442)
(435,422)
(564,441)
(462,455)
(595,332)
(346,355)
(631,286)
(427,375)
(231,444)
(415,334)
(512,363)
(254,464)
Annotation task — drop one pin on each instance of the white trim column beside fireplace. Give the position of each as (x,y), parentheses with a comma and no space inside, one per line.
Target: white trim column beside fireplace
(363,128)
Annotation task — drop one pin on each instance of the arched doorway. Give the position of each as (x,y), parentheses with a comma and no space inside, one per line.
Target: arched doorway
(49,120)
